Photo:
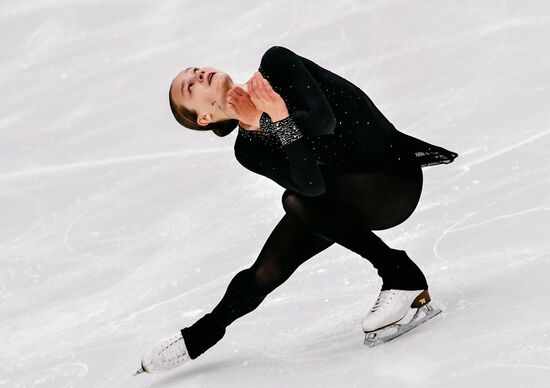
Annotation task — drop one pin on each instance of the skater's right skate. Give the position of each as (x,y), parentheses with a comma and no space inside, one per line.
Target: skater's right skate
(168,354)
(388,317)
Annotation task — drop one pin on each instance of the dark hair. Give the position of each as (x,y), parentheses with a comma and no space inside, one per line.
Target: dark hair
(188,119)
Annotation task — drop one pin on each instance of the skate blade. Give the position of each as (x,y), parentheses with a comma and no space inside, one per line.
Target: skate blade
(386,334)
(140,371)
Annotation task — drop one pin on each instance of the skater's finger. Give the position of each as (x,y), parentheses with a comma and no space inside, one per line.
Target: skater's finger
(233,106)
(252,89)
(254,84)
(237,90)
(260,86)
(272,93)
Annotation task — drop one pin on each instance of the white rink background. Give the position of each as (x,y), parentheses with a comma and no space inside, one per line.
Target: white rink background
(119,227)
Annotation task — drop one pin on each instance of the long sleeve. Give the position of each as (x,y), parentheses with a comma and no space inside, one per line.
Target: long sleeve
(308,106)
(303,173)
(309,114)
(332,126)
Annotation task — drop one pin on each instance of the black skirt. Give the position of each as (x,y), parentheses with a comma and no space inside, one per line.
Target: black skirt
(403,150)
(422,152)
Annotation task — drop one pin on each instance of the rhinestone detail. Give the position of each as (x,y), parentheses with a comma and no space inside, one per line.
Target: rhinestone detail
(285,130)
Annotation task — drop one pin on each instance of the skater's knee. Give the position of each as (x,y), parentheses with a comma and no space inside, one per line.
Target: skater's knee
(293,204)
(267,277)
(243,279)
(256,280)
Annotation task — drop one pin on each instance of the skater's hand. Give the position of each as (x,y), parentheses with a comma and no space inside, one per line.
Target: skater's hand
(238,101)
(265,98)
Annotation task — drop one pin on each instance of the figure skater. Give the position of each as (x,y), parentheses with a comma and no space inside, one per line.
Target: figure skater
(346,169)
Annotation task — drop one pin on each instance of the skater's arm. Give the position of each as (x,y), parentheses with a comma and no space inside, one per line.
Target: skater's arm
(288,76)
(300,172)
(296,167)
(310,114)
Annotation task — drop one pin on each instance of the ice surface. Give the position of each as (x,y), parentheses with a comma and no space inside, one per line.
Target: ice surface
(119,227)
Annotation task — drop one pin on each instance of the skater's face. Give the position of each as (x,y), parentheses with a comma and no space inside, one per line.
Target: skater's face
(203,90)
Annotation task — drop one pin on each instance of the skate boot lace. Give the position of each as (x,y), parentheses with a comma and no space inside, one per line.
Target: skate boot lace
(173,352)
(383,298)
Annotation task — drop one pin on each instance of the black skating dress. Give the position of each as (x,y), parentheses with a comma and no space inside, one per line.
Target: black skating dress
(333,126)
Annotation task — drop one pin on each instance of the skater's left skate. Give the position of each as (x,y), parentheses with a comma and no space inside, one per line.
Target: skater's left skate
(168,354)
(391,315)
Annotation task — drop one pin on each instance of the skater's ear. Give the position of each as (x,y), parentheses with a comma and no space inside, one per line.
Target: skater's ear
(188,119)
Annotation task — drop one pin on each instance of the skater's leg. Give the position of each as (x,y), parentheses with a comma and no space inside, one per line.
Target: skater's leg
(354,204)
(288,246)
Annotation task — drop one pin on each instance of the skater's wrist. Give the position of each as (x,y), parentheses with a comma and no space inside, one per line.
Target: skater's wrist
(285,129)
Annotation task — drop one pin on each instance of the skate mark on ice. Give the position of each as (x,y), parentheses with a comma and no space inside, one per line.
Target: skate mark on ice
(500,217)
(490,365)
(115,325)
(446,231)
(536,366)
(108,162)
(267,356)
(14,206)
(381,54)
(126,227)
(62,370)
(472,81)
(466,167)
(453,227)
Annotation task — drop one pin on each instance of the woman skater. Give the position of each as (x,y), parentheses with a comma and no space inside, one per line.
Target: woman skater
(346,169)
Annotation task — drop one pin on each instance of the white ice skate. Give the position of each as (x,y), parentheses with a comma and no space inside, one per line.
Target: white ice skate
(390,316)
(168,354)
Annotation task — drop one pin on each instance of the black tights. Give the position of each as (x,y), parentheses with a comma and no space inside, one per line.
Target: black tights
(353,205)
